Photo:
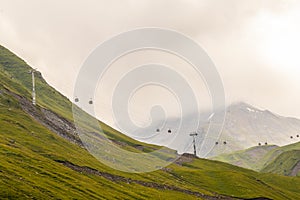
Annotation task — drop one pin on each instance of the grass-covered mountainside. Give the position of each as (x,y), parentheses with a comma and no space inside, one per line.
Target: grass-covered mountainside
(249,158)
(283,160)
(41,156)
(287,163)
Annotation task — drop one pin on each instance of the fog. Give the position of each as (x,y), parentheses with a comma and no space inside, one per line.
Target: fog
(254,44)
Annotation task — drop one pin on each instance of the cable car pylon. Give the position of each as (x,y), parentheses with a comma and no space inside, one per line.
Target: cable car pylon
(194,142)
(33,86)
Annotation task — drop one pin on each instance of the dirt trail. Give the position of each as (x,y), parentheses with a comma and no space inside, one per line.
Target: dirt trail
(116,178)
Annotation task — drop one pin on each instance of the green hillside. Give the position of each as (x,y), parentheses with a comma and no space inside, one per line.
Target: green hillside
(283,160)
(250,158)
(15,78)
(42,157)
(269,158)
(287,163)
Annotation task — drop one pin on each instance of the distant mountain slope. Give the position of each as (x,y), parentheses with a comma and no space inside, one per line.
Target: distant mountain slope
(42,158)
(246,126)
(287,163)
(250,158)
(271,155)
(282,160)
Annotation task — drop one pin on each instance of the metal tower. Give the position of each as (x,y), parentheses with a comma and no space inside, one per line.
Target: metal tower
(194,142)
(33,86)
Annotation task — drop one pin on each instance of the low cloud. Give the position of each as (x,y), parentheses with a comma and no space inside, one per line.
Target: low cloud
(57,36)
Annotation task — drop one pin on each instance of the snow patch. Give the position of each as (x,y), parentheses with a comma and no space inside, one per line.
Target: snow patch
(251,110)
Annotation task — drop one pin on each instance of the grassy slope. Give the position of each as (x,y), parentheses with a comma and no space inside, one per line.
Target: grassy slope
(15,77)
(270,156)
(28,154)
(249,158)
(280,160)
(284,163)
(234,181)
(48,96)
(28,168)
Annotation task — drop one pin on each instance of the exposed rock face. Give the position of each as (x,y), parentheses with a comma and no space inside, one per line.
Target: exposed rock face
(49,119)
(296,169)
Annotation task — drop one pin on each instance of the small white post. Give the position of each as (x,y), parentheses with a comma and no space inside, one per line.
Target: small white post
(33,86)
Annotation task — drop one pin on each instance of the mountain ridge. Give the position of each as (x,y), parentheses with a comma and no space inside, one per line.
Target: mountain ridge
(246,126)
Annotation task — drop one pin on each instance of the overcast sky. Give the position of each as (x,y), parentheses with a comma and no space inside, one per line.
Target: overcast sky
(254,43)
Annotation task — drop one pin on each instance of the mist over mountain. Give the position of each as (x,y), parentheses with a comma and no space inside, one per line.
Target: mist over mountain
(244,126)
(247,126)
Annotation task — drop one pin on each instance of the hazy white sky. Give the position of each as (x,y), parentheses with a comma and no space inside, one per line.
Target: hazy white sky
(254,43)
